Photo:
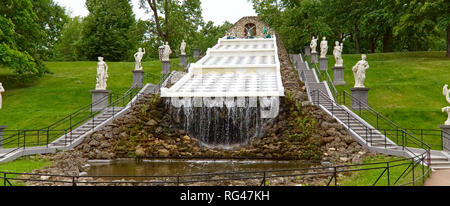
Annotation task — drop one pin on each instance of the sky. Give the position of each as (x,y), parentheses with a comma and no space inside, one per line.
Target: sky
(217,11)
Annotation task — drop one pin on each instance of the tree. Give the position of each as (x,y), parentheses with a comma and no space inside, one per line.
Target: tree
(69,45)
(52,18)
(209,34)
(295,21)
(174,20)
(107,29)
(424,18)
(28,29)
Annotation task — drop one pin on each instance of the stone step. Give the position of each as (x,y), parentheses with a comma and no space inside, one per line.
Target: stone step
(440,163)
(438,158)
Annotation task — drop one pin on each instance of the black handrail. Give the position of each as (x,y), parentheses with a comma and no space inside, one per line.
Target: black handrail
(363,107)
(22,137)
(331,171)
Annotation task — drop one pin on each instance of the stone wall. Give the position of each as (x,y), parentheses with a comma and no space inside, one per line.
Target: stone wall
(239,26)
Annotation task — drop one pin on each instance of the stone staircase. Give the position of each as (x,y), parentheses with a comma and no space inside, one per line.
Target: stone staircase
(362,131)
(66,140)
(75,136)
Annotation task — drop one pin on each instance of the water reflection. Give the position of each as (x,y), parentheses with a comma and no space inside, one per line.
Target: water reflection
(184,167)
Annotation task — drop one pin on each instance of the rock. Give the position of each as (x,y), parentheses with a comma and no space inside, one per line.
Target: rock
(356,160)
(186,138)
(105,145)
(86,167)
(140,152)
(159,130)
(123,135)
(45,178)
(151,122)
(163,152)
(83,174)
(94,143)
(306,103)
(343,159)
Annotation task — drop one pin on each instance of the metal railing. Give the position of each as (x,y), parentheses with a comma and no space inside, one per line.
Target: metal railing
(385,126)
(406,171)
(325,76)
(66,128)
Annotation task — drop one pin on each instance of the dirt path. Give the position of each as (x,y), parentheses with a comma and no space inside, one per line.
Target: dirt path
(439,178)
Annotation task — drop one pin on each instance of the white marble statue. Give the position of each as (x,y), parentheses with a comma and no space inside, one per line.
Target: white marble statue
(323,48)
(183,48)
(1,91)
(138,57)
(166,53)
(313,45)
(337,52)
(359,71)
(446,93)
(102,74)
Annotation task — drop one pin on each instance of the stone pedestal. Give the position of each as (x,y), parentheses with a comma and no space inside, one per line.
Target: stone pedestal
(445,137)
(196,53)
(1,135)
(314,58)
(138,79)
(323,64)
(307,51)
(165,67)
(100,99)
(361,94)
(338,76)
(182,60)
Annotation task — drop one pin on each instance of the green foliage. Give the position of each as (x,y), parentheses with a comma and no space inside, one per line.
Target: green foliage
(209,34)
(68,47)
(107,29)
(29,31)
(175,20)
(367,26)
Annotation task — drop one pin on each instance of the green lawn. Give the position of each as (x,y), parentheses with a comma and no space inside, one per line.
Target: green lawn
(23,165)
(404,87)
(397,174)
(38,104)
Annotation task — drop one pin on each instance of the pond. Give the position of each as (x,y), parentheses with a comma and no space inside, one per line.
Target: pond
(186,167)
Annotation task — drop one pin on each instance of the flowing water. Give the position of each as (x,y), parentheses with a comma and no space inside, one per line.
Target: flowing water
(221,125)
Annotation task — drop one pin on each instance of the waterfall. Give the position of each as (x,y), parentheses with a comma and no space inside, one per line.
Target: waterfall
(221,122)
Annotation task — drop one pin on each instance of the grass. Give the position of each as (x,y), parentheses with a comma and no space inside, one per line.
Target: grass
(23,165)
(396,169)
(404,87)
(38,104)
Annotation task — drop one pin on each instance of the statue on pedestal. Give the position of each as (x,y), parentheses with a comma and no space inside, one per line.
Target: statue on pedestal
(337,52)
(183,48)
(313,45)
(359,71)
(323,48)
(1,91)
(102,74)
(166,53)
(446,93)
(138,57)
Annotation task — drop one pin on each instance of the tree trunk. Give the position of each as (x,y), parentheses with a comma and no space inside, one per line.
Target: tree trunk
(387,40)
(373,45)
(154,8)
(448,42)
(357,43)
(357,40)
